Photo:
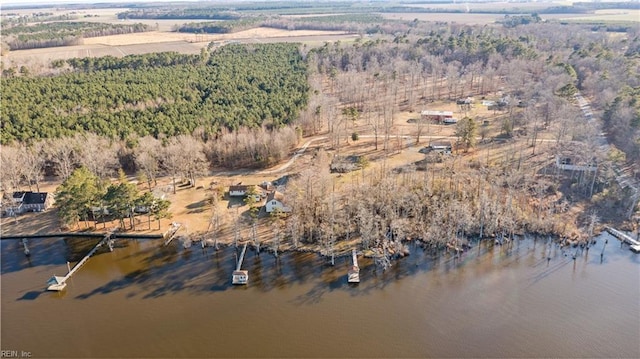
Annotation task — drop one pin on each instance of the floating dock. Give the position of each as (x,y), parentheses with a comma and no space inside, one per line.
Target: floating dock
(633,244)
(353,275)
(240,276)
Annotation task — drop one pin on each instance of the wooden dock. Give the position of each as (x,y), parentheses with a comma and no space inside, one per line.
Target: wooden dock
(353,275)
(240,276)
(57,283)
(171,233)
(625,238)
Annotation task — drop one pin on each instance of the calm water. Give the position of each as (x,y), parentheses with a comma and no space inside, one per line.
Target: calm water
(145,301)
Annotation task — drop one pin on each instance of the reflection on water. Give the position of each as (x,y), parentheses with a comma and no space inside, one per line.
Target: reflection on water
(529,298)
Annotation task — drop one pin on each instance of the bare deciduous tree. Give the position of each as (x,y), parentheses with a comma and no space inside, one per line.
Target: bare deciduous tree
(63,154)
(12,170)
(34,162)
(97,153)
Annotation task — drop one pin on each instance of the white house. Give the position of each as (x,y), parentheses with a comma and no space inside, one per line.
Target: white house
(275,201)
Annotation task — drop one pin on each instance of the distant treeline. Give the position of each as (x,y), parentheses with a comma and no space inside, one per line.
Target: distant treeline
(220,27)
(183,13)
(609,5)
(62,33)
(347,22)
(159,94)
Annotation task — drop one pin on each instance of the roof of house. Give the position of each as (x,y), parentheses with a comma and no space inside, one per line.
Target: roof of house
(436,113)
(238,188)
(275,195)
(440,143)
(18,195)
(35,198)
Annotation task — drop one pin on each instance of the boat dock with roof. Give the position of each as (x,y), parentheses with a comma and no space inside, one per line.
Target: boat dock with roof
(240,276)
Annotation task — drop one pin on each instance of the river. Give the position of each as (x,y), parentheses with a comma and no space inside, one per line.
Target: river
(144,300)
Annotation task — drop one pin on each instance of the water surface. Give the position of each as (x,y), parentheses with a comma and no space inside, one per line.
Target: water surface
(144,300)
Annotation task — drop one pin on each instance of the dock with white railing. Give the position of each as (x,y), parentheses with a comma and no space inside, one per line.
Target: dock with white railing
(634,245)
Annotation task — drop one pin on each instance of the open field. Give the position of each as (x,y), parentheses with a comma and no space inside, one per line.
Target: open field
(158,41)
(609,15)
(495,6)
(612,15)
(159,36)
(463,18)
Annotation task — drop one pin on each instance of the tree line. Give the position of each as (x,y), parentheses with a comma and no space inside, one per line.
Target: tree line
(53,34)
(235,86)
(179,13)
(181,157)
(220,27)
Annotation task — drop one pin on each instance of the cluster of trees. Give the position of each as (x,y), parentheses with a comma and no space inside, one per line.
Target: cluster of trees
(439,207)
(84,196)
(220,27)
(361,23)
(180,157)
(246,148)
(62,33)
(606,71)
(622,117)
(404,73)
(513,21)
(236,86)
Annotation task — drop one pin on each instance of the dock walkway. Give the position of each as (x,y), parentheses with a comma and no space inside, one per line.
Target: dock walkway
(353,275)
(57,283)
(634,245)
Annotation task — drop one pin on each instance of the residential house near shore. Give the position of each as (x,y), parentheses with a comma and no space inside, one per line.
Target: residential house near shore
(29,202)
(276,201)
(437,116)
